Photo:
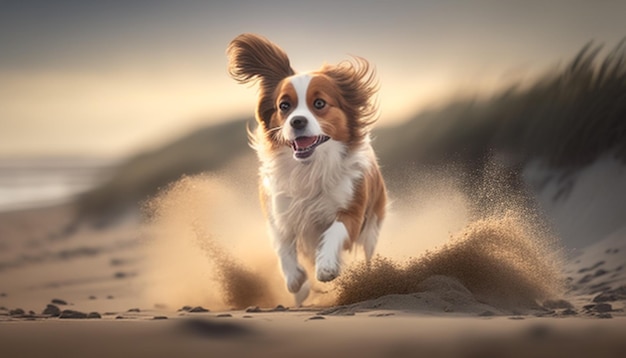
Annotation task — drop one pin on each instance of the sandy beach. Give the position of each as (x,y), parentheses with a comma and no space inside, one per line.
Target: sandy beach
(490,290)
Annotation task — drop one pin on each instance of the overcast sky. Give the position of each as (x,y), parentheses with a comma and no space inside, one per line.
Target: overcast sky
(112,77)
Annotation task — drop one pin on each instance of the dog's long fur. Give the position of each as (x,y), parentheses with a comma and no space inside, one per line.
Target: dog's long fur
(321,187)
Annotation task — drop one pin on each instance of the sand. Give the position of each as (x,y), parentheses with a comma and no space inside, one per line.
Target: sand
(183,282)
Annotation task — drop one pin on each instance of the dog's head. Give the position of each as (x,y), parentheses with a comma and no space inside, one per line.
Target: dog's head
(303,111)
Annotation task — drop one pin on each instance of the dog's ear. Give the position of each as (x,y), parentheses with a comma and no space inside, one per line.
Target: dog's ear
(255,58)
(357,85)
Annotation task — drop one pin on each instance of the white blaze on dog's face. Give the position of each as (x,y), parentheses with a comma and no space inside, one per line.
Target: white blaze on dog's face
(309,113)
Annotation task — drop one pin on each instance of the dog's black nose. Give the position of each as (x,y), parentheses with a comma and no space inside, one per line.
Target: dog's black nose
(298,122)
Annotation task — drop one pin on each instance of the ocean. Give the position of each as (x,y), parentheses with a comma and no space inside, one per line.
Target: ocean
(35,182)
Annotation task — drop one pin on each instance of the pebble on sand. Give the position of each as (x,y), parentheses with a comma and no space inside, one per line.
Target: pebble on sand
(72,314)
(58,301)
(52,310)
(16,312)
(198,309)
(94,315)
(315,318)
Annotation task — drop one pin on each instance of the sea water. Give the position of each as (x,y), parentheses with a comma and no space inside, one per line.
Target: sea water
(34,182)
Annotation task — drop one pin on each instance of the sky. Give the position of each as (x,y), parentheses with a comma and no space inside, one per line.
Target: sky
(111,78)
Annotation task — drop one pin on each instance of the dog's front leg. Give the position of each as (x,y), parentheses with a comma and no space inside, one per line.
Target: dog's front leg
(328,257)
(294,274)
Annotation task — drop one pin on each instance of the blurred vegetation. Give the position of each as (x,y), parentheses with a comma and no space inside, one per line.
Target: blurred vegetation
(140,177)
(567,119)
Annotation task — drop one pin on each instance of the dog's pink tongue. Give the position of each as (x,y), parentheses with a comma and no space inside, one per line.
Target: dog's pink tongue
(304,142)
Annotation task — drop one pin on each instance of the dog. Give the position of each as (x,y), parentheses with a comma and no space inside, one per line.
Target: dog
(321,188)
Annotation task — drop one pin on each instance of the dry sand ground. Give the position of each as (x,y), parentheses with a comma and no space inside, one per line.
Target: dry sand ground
(107,274)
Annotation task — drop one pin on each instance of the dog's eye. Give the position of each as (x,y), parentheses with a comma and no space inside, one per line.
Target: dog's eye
(319,103)
(284,106)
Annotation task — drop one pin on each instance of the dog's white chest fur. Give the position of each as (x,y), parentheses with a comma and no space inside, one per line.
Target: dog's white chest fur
(304,198)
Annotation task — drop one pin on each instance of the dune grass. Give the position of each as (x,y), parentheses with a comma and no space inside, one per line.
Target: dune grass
(566,119)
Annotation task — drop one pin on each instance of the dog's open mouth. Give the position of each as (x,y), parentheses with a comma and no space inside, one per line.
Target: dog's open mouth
(303,147)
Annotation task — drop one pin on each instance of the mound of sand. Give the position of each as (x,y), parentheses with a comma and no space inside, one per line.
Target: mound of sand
(436,295)
(498,261)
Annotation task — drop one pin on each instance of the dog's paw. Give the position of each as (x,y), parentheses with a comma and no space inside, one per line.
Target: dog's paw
(295,280)
(326,273)
(302,295)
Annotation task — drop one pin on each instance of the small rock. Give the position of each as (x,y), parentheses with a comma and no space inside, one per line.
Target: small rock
(58,301)
(93,297)
(110,297)
(94,315)
(17,312)
(185,309)
(121,274)
(280,308)
(198,309)
(315,318)
(253,309)
(72,314)
(486,314)
(248,316)
(158,318)
(3,294)
(137,310)
(52,310)
(224,315)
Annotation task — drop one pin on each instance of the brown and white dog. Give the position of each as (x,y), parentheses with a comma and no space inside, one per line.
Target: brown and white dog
(321,188)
